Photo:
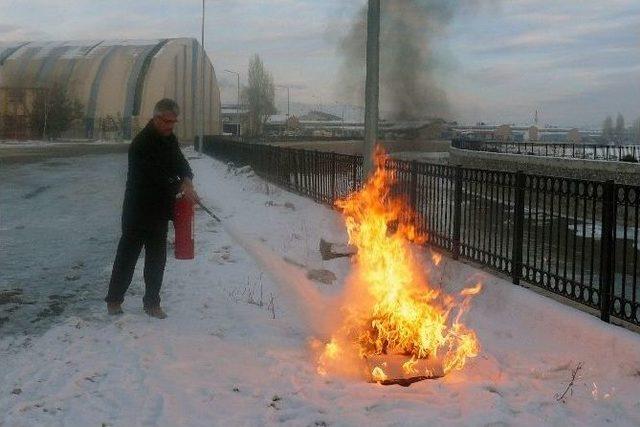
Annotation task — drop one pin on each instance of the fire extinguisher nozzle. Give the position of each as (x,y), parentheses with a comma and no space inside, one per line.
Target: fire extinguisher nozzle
(207,210)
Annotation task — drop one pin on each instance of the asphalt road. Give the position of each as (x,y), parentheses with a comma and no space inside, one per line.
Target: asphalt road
(59,226)
(25,153)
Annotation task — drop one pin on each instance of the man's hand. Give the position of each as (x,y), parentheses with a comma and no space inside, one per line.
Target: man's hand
(189,192)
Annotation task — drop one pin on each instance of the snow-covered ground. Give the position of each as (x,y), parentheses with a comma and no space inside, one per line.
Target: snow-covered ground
(221,358)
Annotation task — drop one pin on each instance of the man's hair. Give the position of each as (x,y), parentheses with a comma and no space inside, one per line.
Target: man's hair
(166,105)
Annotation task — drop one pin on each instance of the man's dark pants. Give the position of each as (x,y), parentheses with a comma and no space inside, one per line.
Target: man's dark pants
(153,237)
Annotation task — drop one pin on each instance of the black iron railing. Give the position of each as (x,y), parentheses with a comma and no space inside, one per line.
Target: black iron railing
(575,238)
(627,153)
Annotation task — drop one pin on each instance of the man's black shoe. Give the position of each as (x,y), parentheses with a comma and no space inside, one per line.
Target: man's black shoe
(114,308)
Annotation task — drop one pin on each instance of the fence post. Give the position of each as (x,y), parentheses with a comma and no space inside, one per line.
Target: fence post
(282,172)
(333,177)
(457,213)
(413,190)
(317,189)
(518,228)
(307,173)
(354,160)
(287,157)
(607,248)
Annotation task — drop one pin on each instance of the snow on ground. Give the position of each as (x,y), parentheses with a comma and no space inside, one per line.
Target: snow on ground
(222,359)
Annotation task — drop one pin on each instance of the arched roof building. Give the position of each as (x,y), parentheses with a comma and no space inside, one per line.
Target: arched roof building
(120,79)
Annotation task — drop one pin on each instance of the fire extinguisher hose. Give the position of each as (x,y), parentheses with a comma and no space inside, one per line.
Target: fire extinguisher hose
(207,210)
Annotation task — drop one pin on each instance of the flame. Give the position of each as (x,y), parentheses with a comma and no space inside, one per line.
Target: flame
(436,258)
(392,310)
(409,367)
(378,374)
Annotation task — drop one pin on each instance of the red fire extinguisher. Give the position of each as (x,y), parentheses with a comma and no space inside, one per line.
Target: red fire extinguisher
(183,223)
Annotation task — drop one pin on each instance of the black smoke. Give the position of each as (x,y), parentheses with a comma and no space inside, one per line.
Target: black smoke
(408,88)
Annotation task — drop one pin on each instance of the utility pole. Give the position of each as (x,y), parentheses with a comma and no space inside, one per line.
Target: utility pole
(372,90)
(288,88)
(46,112)
(288,114)
(288,103)
(238,101)
(204,92)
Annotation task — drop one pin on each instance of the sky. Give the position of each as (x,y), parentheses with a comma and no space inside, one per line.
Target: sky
(575,61)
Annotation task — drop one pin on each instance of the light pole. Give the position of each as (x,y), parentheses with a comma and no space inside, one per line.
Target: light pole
(288,88)
(46,111)
(238,101)
(204,92)
(372,90)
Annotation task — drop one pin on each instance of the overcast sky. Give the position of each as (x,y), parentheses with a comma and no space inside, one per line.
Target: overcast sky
(574,60)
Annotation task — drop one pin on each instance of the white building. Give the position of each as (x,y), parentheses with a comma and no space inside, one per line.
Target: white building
(119,79)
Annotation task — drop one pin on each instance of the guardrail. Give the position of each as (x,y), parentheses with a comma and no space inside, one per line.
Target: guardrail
(575,238)
(627,153)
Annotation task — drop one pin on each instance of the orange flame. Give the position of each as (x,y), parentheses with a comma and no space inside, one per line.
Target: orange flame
(393,310)
(436,258)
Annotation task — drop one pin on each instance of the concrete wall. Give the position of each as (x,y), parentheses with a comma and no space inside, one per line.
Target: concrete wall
(599,170)
(121,78)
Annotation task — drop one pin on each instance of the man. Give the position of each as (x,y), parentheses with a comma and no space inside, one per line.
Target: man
(157,172)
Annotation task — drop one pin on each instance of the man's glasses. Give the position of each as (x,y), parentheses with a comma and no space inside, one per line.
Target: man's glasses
(168,121)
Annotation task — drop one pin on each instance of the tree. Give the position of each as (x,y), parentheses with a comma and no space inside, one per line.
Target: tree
(53,112)
(620,129)
(110,127)
(607,129)
(259,96)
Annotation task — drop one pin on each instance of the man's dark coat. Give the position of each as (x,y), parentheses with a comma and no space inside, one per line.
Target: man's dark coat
(156,167)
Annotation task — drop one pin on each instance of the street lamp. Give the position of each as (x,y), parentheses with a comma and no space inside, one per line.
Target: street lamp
(238,101)
(204,92)
(372,88)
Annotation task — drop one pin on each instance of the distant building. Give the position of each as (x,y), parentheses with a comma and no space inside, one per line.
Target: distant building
(532,134)
(117,83)
(235,119)
(279,124)
(574,136)
(293,123)
(425,130)
(319,116)
(502,133)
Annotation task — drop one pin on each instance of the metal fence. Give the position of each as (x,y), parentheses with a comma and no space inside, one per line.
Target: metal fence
(628,153)
(575,238)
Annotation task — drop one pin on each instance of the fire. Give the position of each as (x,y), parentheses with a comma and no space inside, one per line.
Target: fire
(436,258)
(391,310)
(378,374)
